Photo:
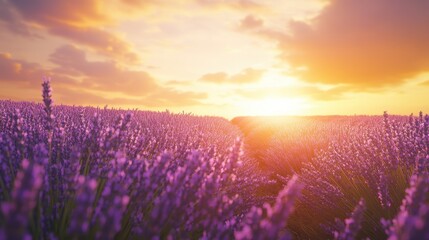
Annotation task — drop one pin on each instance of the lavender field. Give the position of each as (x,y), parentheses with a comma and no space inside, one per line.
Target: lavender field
(91,173)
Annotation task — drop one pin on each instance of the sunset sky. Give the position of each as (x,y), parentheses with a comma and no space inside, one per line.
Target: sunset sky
(220,57)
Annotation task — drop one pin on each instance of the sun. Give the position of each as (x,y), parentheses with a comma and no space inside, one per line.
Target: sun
(274,107)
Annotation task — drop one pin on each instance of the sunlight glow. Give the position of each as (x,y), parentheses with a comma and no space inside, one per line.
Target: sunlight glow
(274,106)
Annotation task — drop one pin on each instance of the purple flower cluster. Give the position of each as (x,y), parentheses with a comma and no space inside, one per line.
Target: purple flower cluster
(341,160)
(298,139)
(269,222)
(23,198)
(374,163)
(412,221)
(91,173)
(352,225)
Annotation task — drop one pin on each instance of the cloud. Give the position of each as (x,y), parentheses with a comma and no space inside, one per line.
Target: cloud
(9,68)
(219,77)
(173,98)
(250,22)
(21,80)
(85,13)
(366,44)
(81,21)
(90,23)
(424,83)
(11,20)
(110,77)
(248,75)
(316,93)
(19,72)
(79,81)
(158,99)
(76,13)
(239,5)
(312,92)
(101,41)
(103,75)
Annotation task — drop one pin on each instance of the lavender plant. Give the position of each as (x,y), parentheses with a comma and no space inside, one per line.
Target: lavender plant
(411,221)
(74,173)
(374,164)
(98,173)
(352,225)
(270,222)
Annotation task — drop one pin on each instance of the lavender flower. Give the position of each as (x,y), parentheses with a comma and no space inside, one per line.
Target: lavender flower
(353,224)
(27,184)
(271,223)
(81,215)
(102,173)
(411,221)
(47,100)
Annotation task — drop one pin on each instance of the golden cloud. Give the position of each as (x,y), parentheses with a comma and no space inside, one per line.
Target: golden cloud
(240,5)
(312,92)
(81,21)
(248,75)
(365,44)
(250,22)
(9,18)
(79,81)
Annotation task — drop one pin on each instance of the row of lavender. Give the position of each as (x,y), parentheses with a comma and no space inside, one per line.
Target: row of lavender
(74,173)
(371,170)
(297,140)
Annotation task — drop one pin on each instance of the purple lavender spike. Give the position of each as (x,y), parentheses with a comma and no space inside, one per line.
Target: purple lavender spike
(27,184)
(411,221)
(352,224)
(85,196)
(271,226)
(47,100)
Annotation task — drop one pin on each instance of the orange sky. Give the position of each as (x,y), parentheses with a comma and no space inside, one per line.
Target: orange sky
(220,57)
